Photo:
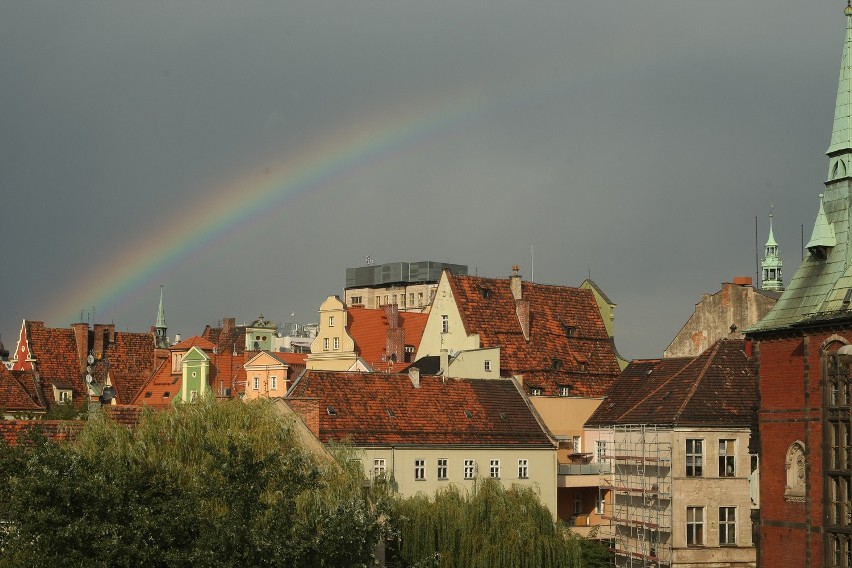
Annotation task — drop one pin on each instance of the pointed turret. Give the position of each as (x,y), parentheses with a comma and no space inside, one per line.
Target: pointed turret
(771,264)
(840,149)
(822,239)
(160,327)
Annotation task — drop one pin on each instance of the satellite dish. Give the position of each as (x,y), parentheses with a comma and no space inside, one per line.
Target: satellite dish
(89,379)
(108,394)
(90,359)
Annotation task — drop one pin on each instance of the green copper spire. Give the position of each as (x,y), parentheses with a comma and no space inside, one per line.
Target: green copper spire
(840,149)
(771,264)
(161,314)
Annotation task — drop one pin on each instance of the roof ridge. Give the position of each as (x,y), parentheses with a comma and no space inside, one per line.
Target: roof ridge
(703,373)
(660,386)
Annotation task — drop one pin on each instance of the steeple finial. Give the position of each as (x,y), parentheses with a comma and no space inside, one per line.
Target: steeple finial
(161,314)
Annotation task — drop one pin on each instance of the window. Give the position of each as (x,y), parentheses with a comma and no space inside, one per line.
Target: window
(193,395)
(795,465)
(64,396)
(176,358)
(577,444)
(256,383)
(487,365)
(419,470)
(411,299)
(330,321)
(356,300)
(402,300)
(469,469)
(325,344)
(445,324)
(695,526)
(494,472)
(578,503)
(379,468)
(726,458)
(420,299)
(600,449)
(727,525)
(523,469)
(564,391)
(535,391)
(442,468)
(600,505)
(273,383)
(694,457)
(337,344)
(393,301)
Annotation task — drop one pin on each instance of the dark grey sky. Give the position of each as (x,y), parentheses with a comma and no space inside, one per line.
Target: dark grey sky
(633,141)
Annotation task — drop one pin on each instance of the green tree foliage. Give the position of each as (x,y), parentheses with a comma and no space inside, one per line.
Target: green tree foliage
(208,484)
(493,527)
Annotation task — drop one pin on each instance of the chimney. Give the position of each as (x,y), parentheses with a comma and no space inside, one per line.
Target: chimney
(522,309)
(395,345)
(445,362)
(111,331)
(414,375)
(98,348)
(81,335)
(177,338)
(391,314)
(515,282)
(742,280)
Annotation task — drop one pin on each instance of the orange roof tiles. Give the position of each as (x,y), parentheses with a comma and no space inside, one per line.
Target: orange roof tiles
(568,343)
(369,329)
(381,409)
(13,396)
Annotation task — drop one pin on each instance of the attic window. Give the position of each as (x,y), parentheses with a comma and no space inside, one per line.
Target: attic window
(468,413)
(584,368)
(166,394)
(486,292)
(391,413)
(148,394)
(569,330)
(331,411)
(535,391)
(504,416)
(556,364)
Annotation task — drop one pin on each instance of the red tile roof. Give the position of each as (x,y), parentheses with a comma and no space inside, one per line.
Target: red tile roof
(568,344)
(226,372)
(369,329)
(229,336)
(17,431)
(13,396)
(717,388)
(381,409)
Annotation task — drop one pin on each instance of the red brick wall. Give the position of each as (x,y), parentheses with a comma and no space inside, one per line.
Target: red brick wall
(308,410)
(791,409)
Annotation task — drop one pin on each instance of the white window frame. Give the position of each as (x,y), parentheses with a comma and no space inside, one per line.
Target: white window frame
(445,323)
(494,469)
(600,449)
(727,461)
(577,444)
(337,344)
(379,468)
(695,526)
(442,466)
(330,321)
(564,391)
(193,395)
(256,383)
(487,365)
(469,469)
(600,505)
(325,344)
(694,457)
(273,382)
(727,526)
(523,468)
(420,470)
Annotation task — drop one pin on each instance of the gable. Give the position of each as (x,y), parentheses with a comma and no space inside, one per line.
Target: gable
(264,359)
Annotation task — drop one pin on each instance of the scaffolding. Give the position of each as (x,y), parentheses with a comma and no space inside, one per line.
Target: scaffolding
(640,489)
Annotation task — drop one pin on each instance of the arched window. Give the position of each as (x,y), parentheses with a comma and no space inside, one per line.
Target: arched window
(795,464)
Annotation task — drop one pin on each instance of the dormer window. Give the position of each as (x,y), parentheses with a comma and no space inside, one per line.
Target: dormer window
(569,330)
(176,360)
(485,292)
(584,368)
(535,391)
(556,364)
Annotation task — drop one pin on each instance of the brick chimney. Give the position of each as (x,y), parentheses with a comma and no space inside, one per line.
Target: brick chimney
(515,282)
(81,336)
(98,347)
(395,340)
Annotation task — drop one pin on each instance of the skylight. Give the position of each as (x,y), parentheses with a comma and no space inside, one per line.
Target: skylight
(331,411)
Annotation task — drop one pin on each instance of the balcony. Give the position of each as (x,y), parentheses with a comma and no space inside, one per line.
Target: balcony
(581,474)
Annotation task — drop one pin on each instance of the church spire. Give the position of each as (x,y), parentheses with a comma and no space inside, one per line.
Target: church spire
(771,264)
(840,149)
(160,328)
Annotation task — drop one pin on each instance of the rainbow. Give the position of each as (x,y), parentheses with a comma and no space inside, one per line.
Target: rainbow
(239,203)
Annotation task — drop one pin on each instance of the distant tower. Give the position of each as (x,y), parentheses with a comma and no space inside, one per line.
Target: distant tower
(160,328)
(771,264)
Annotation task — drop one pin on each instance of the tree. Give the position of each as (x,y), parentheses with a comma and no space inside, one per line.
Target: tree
(206,484)
(493,527)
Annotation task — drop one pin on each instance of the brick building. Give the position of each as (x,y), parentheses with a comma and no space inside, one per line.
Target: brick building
(802,347)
